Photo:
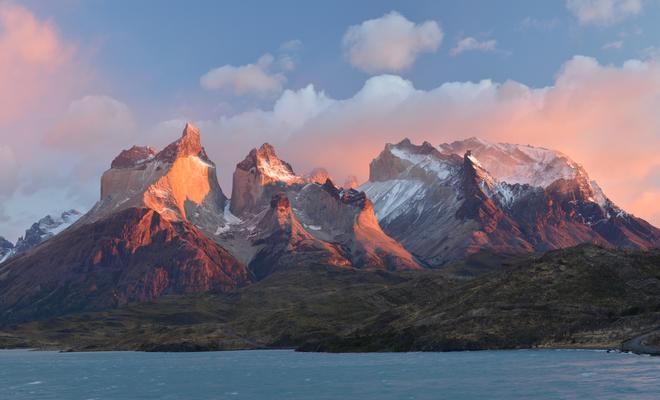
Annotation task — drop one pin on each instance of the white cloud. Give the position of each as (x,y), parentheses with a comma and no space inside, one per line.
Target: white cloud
(472,44)
(389,43)
(603,12)
(251,78)
(615,45)
(292,45)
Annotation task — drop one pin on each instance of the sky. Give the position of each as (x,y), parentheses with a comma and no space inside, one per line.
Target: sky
(327,83)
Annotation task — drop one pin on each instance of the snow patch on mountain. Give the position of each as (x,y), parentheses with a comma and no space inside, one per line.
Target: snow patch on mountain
(44,229)
(394,197)
(514,163)
(276,170)
(425,161)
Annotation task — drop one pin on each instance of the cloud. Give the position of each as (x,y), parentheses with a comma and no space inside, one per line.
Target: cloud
(540,24)
(287,58)
(472,44)
(603,12)
(389,43)
(8,171)
(82,143)
(600,115)
(251,78)
(35,63)
(291,45)
(93,124)
(615,45)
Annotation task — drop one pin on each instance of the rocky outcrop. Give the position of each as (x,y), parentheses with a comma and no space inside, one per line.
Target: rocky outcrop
(260,175)
(346,217)
(443,206)
(284,243)
(134,255)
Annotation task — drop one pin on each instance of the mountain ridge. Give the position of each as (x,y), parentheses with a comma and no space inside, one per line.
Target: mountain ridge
(423,206)
(455,201)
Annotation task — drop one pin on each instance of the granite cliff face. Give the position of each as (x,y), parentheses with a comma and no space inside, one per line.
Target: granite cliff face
(443,203)
(179,182)
(257,177)
(284,243)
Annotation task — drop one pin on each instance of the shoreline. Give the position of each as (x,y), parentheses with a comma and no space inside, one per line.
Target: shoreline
(293,349)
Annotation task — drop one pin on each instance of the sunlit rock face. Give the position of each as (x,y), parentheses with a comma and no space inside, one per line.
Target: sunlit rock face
(257,177)
(445,202)
(179,182)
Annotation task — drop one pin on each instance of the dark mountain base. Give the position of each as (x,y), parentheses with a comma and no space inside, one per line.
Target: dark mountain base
(580,297)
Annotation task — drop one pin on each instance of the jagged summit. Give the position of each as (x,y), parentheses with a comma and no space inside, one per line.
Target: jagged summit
(299,219)
(188,145)
(260,174)
(133,156)
(265,163)
(514,163)
(179,182)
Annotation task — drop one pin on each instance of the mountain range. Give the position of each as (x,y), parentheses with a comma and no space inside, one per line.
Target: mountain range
(164,226)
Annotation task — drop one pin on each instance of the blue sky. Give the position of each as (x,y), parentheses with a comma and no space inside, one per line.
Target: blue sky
(135,69)
(158,49)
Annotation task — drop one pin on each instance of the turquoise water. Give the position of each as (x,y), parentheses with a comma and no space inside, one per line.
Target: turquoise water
(523,374)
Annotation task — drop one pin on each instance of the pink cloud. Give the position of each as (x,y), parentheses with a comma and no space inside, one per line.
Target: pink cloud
(35,63)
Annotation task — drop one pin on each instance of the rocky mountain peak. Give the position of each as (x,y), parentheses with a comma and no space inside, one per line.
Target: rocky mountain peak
(133,156)
(46,228)
(498,196)
(514,163)
(261,174)
(189,144)
(179,182)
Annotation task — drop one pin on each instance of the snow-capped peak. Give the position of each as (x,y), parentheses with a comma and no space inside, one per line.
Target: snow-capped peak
(513,163)
(424,156)
(272,168)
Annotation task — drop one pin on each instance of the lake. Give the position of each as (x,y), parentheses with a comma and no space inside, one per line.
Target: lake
(521,374)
